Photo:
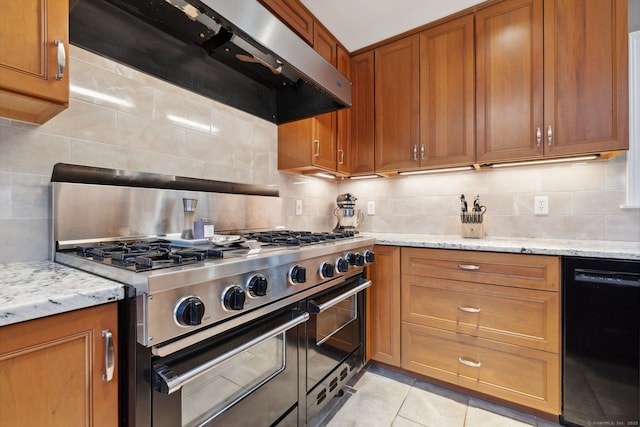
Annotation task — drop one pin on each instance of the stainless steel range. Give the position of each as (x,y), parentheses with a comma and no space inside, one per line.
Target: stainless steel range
(256,327)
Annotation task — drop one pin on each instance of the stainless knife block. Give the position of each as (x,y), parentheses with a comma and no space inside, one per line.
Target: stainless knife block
(472,225)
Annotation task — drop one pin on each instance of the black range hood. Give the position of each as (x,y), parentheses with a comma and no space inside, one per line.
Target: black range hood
(233,51)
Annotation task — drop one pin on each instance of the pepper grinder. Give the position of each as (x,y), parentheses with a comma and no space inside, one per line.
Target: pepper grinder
(189,206)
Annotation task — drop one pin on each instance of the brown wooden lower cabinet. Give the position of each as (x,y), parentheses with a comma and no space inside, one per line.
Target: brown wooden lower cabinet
(488,322)
(51,370)
(514,373)
(384,306)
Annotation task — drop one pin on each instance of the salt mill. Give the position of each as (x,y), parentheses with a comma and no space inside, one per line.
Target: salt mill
(189,206)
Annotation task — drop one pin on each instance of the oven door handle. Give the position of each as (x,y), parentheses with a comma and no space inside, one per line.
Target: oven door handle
(315,308)
(168,382)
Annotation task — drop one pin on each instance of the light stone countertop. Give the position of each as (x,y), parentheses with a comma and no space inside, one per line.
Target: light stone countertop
(37,289)
(582,248)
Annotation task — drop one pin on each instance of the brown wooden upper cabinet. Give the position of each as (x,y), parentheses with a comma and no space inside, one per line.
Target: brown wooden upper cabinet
(343,132)
(362,141)
(34,81)
(447,126)
(397,105)
(309,145)
(424,99)
(551,79)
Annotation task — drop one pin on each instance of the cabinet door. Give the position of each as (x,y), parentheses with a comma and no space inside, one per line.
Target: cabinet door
(29,89)
(509,91)
(384,306)
(295,15)
(585,76)
(324,140)
(362,114)
(447,108)
(343,134)
(51,370)
(397,105)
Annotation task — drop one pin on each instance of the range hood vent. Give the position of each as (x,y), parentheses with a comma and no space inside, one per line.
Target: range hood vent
(233,51)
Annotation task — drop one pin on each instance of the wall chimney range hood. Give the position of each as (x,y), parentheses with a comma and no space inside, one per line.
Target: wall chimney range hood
(233,51)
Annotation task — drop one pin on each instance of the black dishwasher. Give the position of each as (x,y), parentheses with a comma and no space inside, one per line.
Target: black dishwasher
(601,349)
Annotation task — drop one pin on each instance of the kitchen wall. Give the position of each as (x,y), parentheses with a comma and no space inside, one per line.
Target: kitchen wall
(149,125)
(144,124)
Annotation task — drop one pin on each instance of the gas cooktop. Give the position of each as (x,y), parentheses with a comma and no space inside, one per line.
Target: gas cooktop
(140,255)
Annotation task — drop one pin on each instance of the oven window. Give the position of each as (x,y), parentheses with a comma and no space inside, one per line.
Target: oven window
(209,395)
(335,318)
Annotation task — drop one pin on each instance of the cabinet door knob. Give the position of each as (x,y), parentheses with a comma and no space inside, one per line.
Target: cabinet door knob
(62,59)
(341,157)
(538,136)
(109,358)
(415,152)
(317,142)
(422,151)
(468,267)
(549,135)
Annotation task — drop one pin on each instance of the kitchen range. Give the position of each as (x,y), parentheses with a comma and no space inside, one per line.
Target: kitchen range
(253,326)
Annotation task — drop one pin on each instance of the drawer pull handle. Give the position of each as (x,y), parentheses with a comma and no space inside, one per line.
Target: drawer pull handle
(469,363)
(469,267)
(469,309)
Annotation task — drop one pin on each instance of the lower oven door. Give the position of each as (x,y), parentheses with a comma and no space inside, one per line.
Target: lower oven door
(335,340)
(246,377)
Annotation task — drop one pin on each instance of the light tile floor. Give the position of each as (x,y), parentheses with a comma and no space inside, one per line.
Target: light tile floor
(378,397)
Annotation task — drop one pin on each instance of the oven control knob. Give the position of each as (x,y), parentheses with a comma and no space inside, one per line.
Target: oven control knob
(257,286)
(369,256)
(351,258)
(233,298)
(298,274)
(190,311)
(342,265)
(326,270)
(355,259)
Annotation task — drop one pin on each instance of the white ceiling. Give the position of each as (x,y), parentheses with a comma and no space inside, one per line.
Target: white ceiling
(360,23)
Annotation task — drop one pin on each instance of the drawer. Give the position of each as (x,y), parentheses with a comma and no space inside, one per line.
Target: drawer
(516,374)
(518,316)
(518,270)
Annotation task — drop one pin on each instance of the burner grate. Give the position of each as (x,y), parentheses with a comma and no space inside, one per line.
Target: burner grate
(146,255)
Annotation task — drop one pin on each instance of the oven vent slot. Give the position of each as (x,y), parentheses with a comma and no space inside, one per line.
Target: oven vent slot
(321,396)
(343,374)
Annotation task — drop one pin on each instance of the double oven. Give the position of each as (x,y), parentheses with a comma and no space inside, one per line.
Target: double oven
(261,331)
(278,369)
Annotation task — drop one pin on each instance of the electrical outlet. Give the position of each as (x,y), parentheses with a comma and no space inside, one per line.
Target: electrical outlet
(371,207)
(298,207)
(541,205)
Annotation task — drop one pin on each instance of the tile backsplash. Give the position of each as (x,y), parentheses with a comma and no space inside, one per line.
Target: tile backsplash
(584,201)
(121,118)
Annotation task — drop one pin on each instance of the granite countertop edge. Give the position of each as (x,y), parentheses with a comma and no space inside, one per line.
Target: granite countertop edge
(31,290)
(559,247)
